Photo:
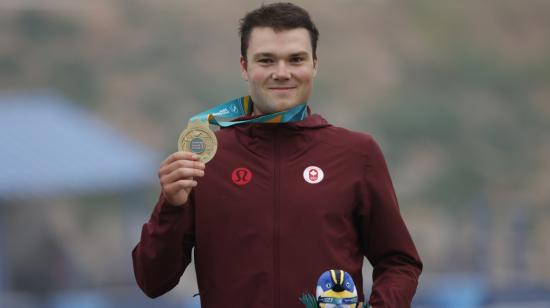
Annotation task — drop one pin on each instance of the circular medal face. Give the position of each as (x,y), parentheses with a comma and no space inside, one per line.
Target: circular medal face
(199,139)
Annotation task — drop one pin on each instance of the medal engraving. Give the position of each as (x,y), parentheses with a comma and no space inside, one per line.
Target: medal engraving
(199,139)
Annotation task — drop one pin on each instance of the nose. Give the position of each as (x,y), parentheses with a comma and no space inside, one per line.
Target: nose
(281,71)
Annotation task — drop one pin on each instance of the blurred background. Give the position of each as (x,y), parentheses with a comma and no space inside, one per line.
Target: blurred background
(93,95)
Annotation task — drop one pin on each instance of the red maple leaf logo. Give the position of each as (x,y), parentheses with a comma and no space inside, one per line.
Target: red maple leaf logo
(313,175)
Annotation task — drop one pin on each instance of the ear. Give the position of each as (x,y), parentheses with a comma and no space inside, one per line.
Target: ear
(244,68)
(315,66)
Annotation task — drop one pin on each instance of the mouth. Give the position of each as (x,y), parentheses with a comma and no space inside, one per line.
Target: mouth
(281,88)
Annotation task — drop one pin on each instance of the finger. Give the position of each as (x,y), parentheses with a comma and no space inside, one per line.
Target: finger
(181,174)
(191,164)
(180,155)
(175,187)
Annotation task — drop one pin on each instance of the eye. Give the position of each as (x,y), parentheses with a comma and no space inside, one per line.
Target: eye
(297,60)
(348,285)
(265,60)
(329,286)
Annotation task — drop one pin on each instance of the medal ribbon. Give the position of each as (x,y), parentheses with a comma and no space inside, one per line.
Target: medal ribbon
(221,114)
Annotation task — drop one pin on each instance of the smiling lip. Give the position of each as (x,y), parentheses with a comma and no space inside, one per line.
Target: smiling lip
(282,88)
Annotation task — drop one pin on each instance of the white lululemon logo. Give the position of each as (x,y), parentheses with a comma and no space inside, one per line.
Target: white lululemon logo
(313,175)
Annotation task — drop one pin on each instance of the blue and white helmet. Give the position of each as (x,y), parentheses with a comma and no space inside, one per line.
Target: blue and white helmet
(336,289)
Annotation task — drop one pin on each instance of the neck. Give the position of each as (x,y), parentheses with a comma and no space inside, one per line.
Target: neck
(257,112)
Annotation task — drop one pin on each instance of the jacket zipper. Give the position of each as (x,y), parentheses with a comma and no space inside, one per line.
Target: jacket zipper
(276,201)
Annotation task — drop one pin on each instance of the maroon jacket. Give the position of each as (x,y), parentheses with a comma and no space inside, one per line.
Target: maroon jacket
(263,236)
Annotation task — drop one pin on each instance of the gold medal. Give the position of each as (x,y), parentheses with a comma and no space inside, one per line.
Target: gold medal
(197,138)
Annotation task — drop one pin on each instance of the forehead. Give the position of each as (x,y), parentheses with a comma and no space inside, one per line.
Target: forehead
(267,40)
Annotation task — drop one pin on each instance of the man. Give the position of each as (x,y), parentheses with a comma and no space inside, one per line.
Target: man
(280,203)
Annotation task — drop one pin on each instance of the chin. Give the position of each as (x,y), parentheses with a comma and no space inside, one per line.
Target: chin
(282,105)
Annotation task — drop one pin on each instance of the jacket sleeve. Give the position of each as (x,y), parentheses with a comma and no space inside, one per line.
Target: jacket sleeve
(164,250)
(386,242)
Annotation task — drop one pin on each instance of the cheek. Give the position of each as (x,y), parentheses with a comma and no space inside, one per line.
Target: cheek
(305,75)
(259,77)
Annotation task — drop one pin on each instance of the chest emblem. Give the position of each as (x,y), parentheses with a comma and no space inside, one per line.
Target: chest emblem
(241,176)
(313,174)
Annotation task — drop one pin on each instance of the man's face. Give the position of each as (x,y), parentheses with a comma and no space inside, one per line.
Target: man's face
(279,70)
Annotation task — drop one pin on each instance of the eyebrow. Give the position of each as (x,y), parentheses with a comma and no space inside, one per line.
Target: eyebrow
(269,54)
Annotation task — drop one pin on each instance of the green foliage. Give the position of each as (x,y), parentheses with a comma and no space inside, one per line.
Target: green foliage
(40,26)
(76,79)
(309,301)
(473,106)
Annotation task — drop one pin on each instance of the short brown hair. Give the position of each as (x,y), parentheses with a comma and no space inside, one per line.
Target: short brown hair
(279,16)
